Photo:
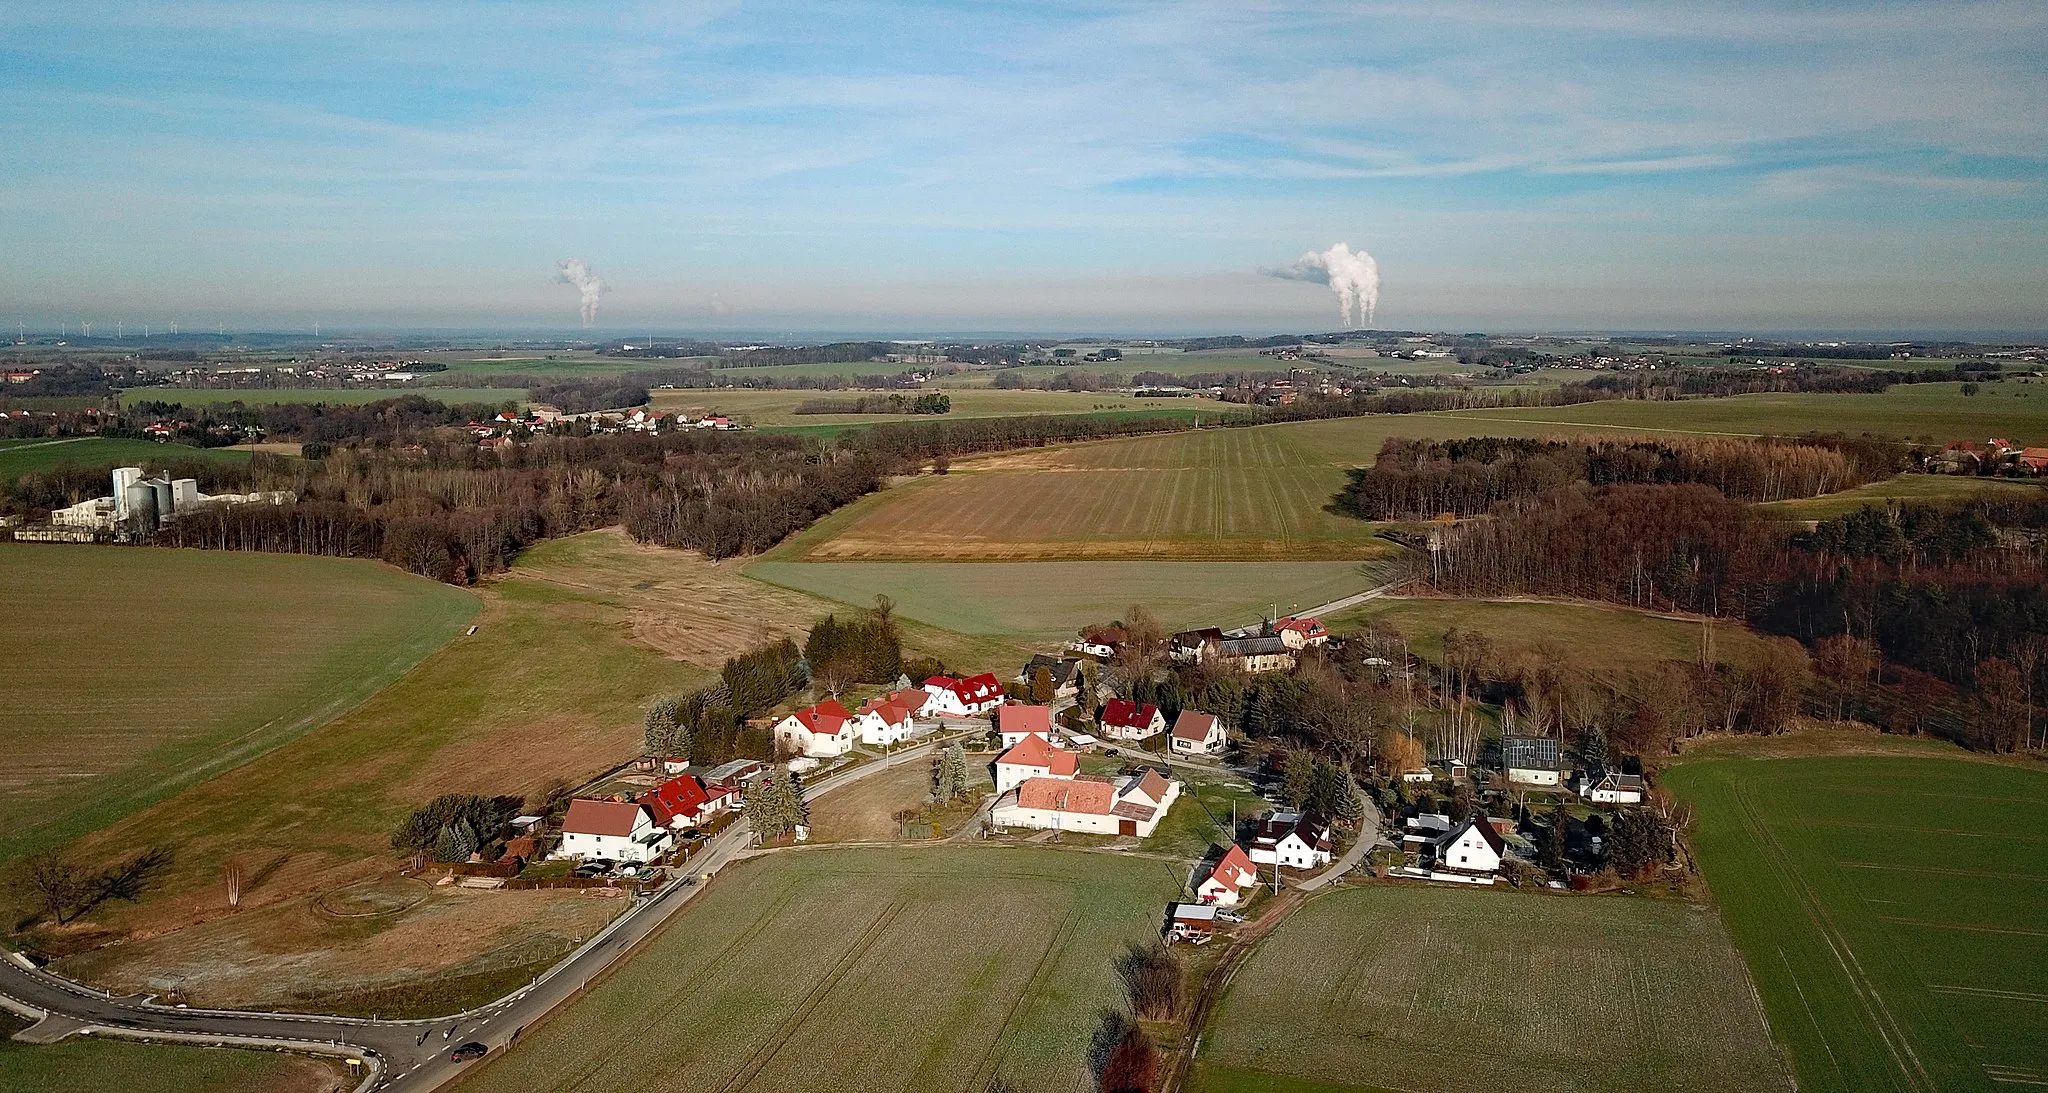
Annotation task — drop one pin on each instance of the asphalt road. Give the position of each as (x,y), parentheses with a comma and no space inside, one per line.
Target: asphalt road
(398,1055)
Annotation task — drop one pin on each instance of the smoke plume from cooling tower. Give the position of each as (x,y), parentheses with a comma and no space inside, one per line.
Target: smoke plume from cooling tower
(573,271)
(1353,275)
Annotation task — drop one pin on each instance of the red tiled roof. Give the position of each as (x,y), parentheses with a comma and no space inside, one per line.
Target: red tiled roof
(1194,726)
(1126,714)
(823,719)
(1067,795)
(682,795)
(980,688)
(1016,718)
(1309,626)
(1036,751)
(892,710)
(590,817)
(1153,785)
(1235,868)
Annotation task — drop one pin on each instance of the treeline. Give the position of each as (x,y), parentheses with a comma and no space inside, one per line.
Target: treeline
(832,353)
(924,439)
(710,725)
(376,422)
(1669,383)
(932,402)
(584,396)
(1946,597)
(446,509)
(863,649)
(1421,478)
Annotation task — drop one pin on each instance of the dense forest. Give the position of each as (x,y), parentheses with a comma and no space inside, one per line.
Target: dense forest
(1419,478)
(1945,607)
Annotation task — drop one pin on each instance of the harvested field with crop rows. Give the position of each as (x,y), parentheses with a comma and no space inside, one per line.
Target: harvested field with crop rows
(861,970)
(1891,909)
(1429,990)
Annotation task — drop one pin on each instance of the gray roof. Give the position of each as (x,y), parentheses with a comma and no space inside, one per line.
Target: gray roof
(1529,753)
(1251,647)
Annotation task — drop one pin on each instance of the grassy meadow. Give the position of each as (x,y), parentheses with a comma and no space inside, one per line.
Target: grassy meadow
(1904,489)
(1937,412)
(84,1064)
(1605,635)
(1429,990)
(134,673)
(1890,909)
(1047,600)
(20,457)
(873,969)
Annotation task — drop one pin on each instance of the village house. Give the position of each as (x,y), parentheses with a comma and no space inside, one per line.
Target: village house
(1129,721)
(1255,655)
(621,831)
(2033,460)
(962,697)
(1033,756)
(1609,788)
(685,801)
(1229,879)
(816,732)
(888,719)
(1015,721)
(1063,672)
(1300,633)
(1531,760)
(1299,840)
(1100,642)
(1474,847)
(1194,646)
(1198,733)
(1132,805)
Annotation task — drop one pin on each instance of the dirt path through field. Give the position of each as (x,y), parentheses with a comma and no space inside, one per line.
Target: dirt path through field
(1242,944)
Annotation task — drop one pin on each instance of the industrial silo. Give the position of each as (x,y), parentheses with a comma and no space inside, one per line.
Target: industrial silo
(138,509)
(166,506)
(124,477)
(184,495)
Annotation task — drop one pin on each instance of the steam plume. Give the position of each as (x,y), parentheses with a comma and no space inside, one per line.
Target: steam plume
(1353,275)
(572,271)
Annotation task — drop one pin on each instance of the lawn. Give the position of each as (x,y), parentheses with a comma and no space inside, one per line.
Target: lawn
(353,396)
(1903,489)
(1594,633)
(1038,601)
(83,1064)
(1937,412)
(134,673)
(930,968)
(1890,909)
(1201,818)
(17,459)
(1429,990)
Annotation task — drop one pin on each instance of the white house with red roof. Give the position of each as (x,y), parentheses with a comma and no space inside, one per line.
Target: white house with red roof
(888,719)
(1015,722)
(1230,879)
(1034,757)
(1300,633)
(1198,733)
(620,830)
(1474,847)
(963,697)
(818,732)
(1132,805)
(1123,719)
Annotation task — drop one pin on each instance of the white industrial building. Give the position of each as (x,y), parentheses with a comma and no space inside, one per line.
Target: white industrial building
(140,505)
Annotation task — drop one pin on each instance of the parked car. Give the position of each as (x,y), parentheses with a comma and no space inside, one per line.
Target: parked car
(468,1051)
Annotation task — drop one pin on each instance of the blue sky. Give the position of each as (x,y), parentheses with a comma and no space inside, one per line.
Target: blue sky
(1046,166)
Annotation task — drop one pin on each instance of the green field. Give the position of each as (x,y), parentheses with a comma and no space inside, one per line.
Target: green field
(86,1065)
(858,970)
(17,459)
(357,396)
(1599,635)
(133,673)
(1430,990)
(1891,911)
(1937,412)
(1054,599)
(1905,488)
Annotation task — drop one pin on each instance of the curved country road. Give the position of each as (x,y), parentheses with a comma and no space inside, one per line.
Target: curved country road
(396,1055)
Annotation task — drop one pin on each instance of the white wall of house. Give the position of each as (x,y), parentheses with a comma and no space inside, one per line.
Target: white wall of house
(1291,852)
(1609,795)
(1469,851)
(1011,775)
(792,736)
(1019,816)
(1532,776)
(876,732)
(617,847)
